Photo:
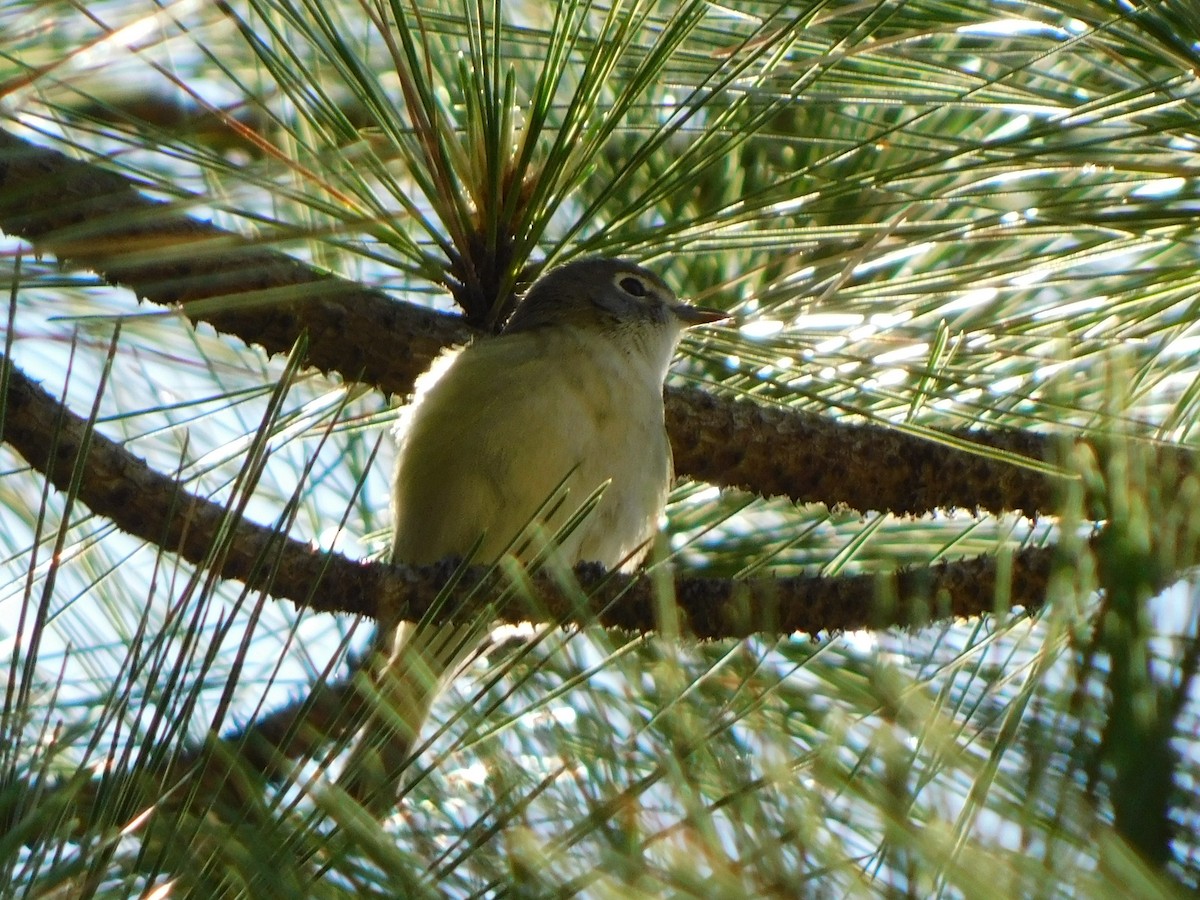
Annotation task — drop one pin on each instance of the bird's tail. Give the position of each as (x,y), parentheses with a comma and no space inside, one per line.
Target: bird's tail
(403,686)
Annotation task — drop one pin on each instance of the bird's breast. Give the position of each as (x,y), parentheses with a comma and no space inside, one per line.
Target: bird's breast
(511,423)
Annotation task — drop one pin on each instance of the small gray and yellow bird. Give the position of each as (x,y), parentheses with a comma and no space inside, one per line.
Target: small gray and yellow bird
(503,441)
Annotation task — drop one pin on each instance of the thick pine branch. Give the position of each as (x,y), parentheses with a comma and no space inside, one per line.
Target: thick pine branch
(90,217)
(121,487)
(99,220)
(773,451)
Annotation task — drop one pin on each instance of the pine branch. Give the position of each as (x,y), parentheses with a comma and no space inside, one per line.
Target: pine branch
(99,220)
(230,770)
(90,217)
(122,488)
(808,458)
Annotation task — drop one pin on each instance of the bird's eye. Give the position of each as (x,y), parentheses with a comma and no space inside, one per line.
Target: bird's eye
(633,286)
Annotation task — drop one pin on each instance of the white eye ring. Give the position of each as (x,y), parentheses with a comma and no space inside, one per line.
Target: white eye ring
(633,286)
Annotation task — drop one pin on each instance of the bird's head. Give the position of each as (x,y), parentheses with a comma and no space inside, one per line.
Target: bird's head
(613,297)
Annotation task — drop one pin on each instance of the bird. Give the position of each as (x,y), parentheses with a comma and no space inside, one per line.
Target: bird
(502,442)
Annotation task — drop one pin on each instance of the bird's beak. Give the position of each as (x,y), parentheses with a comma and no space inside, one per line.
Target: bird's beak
(697,315)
